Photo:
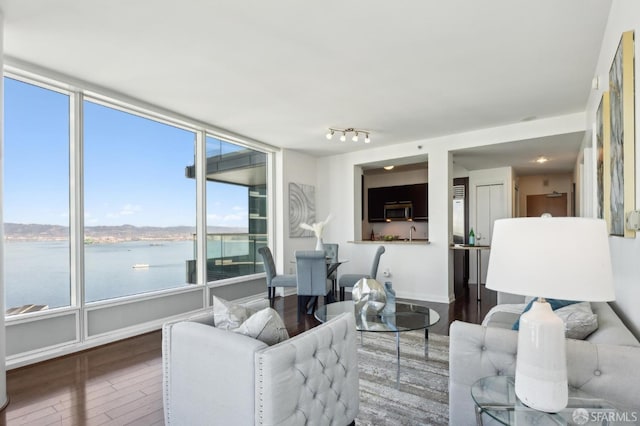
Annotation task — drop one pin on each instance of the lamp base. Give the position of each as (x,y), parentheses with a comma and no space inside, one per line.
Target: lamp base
(541,369)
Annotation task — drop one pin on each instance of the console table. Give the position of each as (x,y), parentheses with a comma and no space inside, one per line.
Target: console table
(478,249)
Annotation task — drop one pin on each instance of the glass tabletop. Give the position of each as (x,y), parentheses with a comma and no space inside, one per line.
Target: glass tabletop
(407,317)
(496,397)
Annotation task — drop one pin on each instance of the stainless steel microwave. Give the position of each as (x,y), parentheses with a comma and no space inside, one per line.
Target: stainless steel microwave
(398,211)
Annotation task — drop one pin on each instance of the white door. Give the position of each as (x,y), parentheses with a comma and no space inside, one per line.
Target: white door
(490,205)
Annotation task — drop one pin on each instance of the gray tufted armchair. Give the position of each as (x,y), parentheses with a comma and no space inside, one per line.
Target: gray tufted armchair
(218,377)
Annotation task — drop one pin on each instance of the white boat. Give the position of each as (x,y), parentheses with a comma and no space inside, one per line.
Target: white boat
(141,266)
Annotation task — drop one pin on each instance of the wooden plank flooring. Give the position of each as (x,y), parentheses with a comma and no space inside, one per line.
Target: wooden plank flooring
(121,383)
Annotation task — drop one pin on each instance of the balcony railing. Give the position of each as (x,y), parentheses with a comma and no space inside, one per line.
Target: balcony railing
(229,256)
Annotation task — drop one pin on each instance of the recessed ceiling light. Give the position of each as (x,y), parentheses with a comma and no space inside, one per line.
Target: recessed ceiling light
(542,159)
(388,167)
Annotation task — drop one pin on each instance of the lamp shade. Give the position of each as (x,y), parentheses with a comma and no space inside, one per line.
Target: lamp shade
(552,257)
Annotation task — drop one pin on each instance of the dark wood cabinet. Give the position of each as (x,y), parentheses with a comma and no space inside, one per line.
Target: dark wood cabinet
(376,204)
(415,194)
(420,200)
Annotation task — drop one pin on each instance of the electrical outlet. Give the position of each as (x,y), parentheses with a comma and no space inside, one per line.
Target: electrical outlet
(633,220)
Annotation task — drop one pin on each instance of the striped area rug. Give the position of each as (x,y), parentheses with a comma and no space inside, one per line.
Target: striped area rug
(418,394)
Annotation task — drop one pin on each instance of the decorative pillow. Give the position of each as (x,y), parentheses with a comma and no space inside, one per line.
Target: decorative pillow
(579,320)
(266,326)
(227,315)
(555,304)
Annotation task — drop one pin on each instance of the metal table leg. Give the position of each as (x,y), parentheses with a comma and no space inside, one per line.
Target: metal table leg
(426,343)
(398,355)
(478,271)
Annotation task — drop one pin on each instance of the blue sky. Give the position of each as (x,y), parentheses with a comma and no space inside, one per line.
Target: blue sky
(134,167)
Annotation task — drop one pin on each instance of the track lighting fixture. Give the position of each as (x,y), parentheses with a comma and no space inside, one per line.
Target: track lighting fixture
(343,137)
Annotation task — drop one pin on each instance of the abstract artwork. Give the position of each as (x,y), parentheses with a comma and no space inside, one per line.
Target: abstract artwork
(603,167)
(302,209)
(621,157)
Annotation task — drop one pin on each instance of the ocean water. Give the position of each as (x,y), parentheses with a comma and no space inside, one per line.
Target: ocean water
(39,272)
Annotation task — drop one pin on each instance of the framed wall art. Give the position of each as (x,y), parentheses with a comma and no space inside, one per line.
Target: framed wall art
(621,156)
(603,172)
(302,209)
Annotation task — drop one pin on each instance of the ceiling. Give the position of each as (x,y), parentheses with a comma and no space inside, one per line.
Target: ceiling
(283,71)
(560,151)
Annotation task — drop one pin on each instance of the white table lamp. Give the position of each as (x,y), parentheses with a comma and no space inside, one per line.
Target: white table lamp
(552,257)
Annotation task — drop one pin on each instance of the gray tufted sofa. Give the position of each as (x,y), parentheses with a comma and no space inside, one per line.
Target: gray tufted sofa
(606,364)
(217,377)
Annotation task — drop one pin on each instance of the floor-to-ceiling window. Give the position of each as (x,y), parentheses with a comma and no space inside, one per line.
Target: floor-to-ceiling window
(139,207)
(136,193)
(236,209)
(36,198)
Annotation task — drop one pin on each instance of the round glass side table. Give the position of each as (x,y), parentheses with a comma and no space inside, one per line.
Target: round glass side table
(496,398)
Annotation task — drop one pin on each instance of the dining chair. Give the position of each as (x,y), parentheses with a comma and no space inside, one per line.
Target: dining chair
(273,279)
(331,252)
(311,273)
(349,280)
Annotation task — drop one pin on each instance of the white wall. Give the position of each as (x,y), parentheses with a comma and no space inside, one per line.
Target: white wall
(625,252)
(297,168)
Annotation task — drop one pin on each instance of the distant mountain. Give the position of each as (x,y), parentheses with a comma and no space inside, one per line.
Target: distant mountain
(36,232)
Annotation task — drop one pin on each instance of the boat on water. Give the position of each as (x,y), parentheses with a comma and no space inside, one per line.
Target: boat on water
(141,266)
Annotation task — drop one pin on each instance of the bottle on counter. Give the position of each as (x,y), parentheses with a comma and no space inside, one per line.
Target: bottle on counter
(373,236)
(472,238)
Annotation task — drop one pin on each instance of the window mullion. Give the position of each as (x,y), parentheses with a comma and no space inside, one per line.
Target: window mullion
(201,203)
(76,191)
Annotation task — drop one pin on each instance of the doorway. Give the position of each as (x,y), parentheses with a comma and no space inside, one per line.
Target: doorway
(554,204)
(460,232)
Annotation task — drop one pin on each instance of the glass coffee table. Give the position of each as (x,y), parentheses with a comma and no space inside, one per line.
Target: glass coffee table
(406,318)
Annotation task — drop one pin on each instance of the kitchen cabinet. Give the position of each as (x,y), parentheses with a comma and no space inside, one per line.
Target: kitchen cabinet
(377,197)
(415,194)
(420,200)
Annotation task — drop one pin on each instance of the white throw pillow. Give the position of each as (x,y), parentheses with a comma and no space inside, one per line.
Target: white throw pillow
(227,315)
(266,326)
(579,320)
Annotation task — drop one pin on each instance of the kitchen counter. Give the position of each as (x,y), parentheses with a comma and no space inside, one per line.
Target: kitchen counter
(415,241)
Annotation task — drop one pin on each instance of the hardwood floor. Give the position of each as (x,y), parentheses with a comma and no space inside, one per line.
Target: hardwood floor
(121,383)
